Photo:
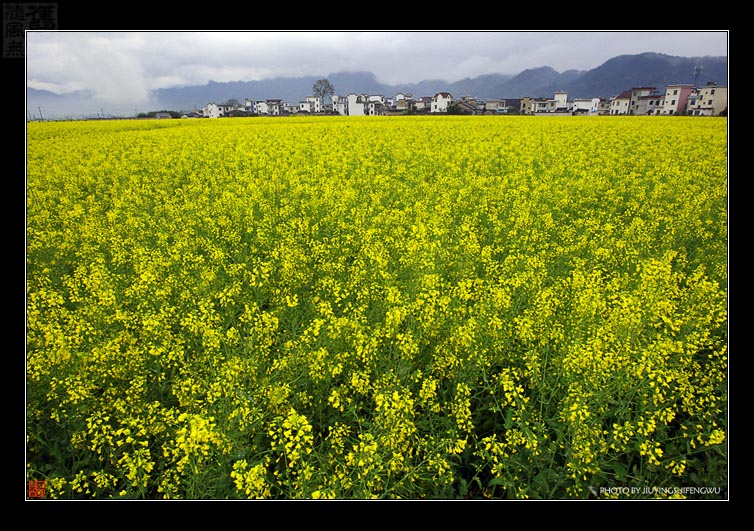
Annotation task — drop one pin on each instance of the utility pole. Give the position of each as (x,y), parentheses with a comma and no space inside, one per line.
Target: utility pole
(697,73)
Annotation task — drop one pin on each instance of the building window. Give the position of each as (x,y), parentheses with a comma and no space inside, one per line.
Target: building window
(675,92)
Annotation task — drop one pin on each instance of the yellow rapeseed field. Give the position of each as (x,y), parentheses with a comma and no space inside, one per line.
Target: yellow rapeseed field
(378,307)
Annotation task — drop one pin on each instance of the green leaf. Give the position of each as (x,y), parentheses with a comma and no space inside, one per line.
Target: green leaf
(620,471)
(494,482)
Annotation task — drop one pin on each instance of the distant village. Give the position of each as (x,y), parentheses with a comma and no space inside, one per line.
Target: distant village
(680,99)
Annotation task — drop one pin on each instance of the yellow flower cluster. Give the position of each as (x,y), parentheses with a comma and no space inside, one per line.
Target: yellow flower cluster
(251,481)
(291,437)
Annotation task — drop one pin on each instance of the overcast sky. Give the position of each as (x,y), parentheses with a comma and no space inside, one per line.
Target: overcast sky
(123,67)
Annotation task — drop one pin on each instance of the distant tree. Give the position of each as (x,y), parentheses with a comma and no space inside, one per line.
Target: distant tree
(237,113)
(455,108)
(322,88)
(152,114)
(232,103)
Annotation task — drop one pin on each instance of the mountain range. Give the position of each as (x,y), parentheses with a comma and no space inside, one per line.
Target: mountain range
(605,81)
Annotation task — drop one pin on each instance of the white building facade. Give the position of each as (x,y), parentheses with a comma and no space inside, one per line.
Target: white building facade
(213,110)
(314,104)
(709,100)
(356,105)
(586,106)
(441,101)
(676,99)
(340,105)
(620,103)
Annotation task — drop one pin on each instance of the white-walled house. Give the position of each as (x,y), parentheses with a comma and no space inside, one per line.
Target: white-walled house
(634,101)
(649,105)
(274,107)
(636,94)
(557,104)
(314,103)
(424,102)
(213,110)
(340,105)
(495,105)
(586,106)
(375,108)
(676,98)
(356,105)
(292,108)
(560,102)
(440,102)
(403,104)
(709,100)
(620,104)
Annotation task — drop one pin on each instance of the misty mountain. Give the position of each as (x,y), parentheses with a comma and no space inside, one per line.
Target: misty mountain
(605,81)
(50,104)
(530,82)
(644,70)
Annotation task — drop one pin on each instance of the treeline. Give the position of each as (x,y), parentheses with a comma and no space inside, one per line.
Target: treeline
(153,114)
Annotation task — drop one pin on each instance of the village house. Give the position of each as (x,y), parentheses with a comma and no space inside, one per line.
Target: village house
(291,108)
(709,100)
(636,94)
(260,107)
(310,104)
(676,99)
(355,105)
(340,105)
(424,103)
(274,106)
(526,106)
(213,110)
(496,106)
(558,104)
(360,105)
(315,103)
(630,101)
(376,105)
(589,106)
(403,102)
(440,102)
(649,105)
(468,107)
(620,103)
